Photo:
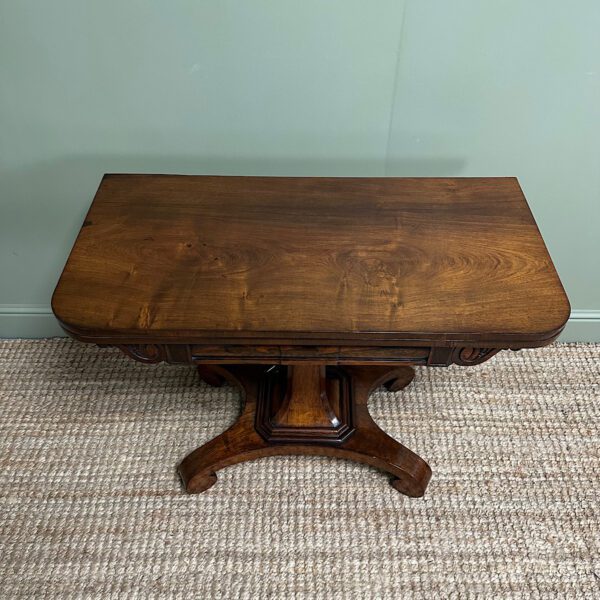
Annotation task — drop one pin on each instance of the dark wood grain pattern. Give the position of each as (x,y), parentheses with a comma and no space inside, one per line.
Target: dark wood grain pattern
(307,403)
(367,444)
(201,259)
(308,293)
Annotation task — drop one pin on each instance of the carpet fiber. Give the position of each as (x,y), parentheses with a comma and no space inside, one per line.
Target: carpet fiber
(91,505)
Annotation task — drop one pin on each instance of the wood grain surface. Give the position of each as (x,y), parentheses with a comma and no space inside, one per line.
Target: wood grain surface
(201,259)
(362,439)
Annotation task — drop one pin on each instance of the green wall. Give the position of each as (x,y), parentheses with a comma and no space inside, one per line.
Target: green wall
(337,87)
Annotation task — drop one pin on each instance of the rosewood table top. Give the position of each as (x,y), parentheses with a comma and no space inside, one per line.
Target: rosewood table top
(165,258)
(305,292)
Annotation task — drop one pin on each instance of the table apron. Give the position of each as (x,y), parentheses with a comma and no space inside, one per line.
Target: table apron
(328,355)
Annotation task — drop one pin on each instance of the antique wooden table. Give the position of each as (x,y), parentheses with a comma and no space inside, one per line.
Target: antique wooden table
(309,293)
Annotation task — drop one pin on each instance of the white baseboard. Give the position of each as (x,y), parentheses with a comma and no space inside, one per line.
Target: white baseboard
(37,321)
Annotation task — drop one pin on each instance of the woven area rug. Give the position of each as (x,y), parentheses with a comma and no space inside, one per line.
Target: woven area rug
(91,506)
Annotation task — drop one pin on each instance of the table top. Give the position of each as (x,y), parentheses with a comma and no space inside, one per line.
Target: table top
(197,259)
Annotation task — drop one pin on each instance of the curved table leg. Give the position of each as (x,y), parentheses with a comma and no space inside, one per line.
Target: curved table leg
(367,443)
(404,376)
(238,443)
(211,375)
(372,445)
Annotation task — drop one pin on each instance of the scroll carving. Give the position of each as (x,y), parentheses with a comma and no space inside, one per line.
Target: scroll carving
(472,356)
(145,353)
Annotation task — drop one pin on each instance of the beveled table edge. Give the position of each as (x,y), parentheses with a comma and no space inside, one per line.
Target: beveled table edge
(245,338)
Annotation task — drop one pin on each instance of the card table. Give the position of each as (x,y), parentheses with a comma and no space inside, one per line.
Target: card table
(308,293)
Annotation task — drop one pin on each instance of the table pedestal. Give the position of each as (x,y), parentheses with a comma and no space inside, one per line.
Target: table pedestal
(306,408)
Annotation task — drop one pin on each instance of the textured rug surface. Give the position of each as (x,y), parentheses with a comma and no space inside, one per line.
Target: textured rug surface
(91,505)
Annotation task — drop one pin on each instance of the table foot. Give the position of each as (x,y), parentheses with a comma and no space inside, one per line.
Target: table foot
(404,376)
(308,409)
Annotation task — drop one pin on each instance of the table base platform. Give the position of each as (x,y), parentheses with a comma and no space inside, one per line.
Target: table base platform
(306,409)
